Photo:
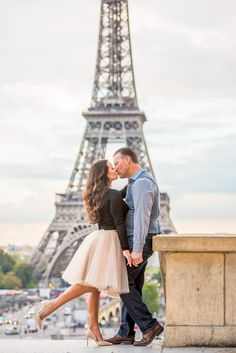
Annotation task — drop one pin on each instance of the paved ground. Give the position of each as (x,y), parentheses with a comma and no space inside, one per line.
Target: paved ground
(79,346)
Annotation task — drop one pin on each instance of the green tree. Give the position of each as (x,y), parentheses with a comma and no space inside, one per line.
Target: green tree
(157,276)
(150,296)
(10,281)
(24,272)
(32,284)
(6,262)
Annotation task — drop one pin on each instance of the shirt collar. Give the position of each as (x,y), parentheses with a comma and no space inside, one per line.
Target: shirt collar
(136,175)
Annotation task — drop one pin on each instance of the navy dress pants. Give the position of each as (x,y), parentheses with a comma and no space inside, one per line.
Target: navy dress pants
(133,309)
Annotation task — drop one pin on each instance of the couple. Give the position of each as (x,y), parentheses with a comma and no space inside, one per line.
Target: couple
(112,260)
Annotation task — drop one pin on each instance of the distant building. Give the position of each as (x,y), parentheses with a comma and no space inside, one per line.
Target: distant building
(23,251)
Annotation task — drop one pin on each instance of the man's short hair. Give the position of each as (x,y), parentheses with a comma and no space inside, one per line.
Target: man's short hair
(126,151)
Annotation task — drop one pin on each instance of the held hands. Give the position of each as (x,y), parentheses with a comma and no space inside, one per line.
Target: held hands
(127,255)
(134,258)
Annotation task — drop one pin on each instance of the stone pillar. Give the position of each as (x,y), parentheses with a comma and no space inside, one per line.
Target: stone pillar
(199,280)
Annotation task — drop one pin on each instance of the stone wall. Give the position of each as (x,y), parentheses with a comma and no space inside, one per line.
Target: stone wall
(199,280)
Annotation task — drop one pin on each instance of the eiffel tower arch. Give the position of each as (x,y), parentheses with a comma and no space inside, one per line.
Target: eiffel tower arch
(112,118)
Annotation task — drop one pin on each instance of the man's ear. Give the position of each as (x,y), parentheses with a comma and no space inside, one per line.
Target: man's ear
(128,159)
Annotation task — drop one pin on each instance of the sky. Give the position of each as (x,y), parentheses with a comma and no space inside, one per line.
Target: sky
(184,55)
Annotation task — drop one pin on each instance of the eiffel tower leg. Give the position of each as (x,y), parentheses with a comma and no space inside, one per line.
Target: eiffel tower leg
(92,148)
(72,292)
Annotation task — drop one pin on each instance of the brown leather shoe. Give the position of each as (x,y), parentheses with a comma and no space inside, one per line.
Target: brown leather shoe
(120,339)
(150,335)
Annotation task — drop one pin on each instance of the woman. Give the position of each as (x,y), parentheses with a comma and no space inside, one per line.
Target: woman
(98,265)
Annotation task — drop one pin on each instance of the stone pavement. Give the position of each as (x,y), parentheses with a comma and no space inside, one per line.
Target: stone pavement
(79,346)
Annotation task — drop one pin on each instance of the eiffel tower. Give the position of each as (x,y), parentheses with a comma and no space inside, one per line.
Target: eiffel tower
(113,118)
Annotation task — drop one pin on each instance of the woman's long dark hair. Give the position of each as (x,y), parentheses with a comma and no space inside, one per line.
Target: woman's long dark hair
(96,186)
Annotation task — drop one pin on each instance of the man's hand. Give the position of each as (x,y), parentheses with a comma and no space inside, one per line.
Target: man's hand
(136,258)
(127,255)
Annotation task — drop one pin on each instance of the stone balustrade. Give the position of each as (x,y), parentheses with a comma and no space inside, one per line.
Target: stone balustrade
(199,280)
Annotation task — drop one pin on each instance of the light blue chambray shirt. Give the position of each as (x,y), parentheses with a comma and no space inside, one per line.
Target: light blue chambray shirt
(143,199)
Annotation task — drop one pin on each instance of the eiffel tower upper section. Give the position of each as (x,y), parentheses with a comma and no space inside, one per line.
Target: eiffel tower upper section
(113,115)
(114,84)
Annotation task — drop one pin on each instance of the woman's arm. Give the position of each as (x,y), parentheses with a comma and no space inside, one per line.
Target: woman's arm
(123,192)
(118,218)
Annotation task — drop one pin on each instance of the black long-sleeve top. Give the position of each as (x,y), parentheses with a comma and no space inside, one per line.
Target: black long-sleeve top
(112,216)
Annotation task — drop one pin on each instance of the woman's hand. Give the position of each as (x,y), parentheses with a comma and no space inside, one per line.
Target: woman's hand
(127,255)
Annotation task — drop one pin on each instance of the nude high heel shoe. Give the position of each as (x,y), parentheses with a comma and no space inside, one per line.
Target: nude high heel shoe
(90,334)
(39,322)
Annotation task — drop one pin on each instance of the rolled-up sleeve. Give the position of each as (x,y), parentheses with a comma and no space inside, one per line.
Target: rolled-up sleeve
(144,191)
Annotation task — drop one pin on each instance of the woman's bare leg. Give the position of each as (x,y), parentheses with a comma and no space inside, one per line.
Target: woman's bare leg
(93,308)
(72,292)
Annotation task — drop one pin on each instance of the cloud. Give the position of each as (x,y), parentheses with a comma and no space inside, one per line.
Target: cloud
(38,97)
(202,226)
(208,169)
(205,206)
(192,144)
(29,201)
(19,233)
(183,48)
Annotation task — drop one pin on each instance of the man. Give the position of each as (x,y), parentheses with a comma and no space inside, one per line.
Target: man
(143,199)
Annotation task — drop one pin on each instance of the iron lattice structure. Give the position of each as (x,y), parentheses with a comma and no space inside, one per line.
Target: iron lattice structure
(113,117)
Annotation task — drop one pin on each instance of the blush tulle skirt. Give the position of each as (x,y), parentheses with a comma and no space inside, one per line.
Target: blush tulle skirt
(99,263)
